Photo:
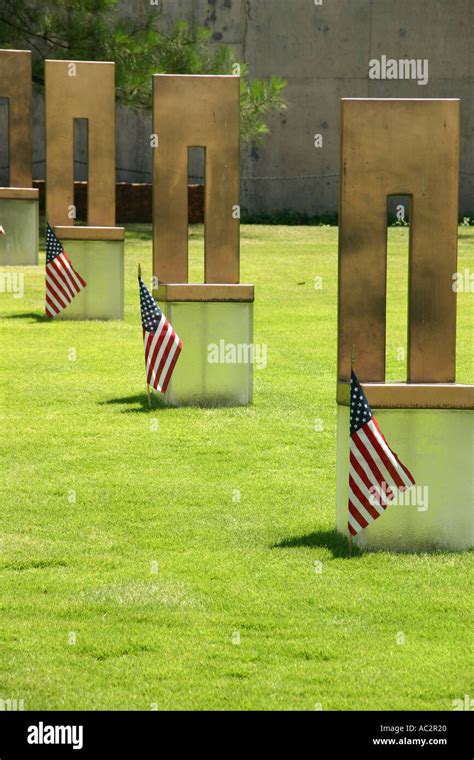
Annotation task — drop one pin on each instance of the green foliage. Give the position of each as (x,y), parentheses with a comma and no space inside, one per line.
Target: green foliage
(289,217)
(94,30)
(257,98)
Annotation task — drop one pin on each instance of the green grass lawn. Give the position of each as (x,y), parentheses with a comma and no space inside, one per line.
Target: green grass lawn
(166,499)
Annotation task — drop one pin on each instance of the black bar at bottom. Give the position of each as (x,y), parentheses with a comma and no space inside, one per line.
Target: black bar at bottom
(98,734)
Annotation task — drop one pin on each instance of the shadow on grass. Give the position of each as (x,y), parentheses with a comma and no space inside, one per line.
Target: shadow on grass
(158,403)
(141,399)
(33,315)
(332,540)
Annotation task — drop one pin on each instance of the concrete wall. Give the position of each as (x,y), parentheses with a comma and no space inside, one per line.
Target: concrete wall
(323,51)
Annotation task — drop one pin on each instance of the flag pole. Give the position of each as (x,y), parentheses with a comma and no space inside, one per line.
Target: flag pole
(147,385)
(352,367)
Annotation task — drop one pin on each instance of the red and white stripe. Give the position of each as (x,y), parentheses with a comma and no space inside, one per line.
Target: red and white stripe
(162,349)
(63,283)
(375,473)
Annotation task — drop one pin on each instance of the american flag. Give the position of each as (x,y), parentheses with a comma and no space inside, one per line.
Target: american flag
(375,472)
(162,345)
(63,283)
